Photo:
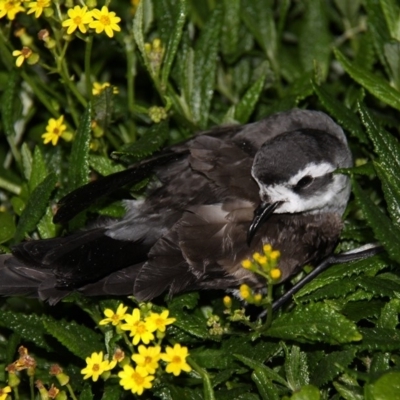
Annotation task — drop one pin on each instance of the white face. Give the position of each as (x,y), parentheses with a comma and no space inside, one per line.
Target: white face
(331,197)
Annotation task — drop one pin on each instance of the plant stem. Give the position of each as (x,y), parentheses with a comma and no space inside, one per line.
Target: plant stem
(10,187)
(131,71)
(88,54)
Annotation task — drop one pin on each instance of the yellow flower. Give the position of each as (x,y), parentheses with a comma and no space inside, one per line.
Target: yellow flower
(21,55)
(114,318)
(148,358)
(160,320)
(275,273)
(95,366)
(135,379)
(247,264)
(38,6)
(4,392)
(176,359)
(245,291)
(79,17)
(54,129)
(106,21)
(140,330)
(227,302)
(99,87)
(10,8)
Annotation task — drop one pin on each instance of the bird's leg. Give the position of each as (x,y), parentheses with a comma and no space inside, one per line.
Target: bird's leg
(359,253)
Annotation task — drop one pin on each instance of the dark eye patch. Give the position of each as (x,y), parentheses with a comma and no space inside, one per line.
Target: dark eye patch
(304,182)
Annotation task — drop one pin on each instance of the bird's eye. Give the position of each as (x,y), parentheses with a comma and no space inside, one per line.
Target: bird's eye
(304,182)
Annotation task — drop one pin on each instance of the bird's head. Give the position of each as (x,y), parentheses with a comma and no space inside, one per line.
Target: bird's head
(295,174)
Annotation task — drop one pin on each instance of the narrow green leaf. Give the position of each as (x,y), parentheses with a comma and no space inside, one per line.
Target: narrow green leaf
(39,170)
(7,103)
(386,145)
(391,192)
(149,143)
(315,39)
(383,229)
(296,368)
(173,41)
(103,107)
(247,103)
(314,322)
(341,113)
(269,373)
(78,172)
(29,327)
(391,12)
(45,227)
(372,82)
(86,393)
(392,55)
(7,227)
(112,392)
(265,387)
(258,17)
(138,33)
(204,69)
(26,158)
(349,392)
(35,207)
(230,29)
(78,339)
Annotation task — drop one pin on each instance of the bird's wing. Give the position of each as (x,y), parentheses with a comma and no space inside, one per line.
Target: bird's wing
(81,198)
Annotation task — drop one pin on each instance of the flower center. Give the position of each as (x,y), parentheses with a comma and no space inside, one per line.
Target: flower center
(96,367)
(147,360)
(77,20)
(56,131)
(105,20)
(138,378)
(141,328)
(176,360)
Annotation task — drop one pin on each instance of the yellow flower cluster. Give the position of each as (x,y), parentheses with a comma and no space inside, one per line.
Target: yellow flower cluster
(143,326)
(266,265)
(100,20)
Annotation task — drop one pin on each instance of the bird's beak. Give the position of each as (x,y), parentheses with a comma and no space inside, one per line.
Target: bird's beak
(261,214)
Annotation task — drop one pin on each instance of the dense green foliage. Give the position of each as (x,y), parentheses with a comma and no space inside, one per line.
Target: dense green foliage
(217,62)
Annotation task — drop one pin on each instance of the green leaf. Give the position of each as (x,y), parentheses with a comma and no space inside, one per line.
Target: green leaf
(29,327)
(102,108)
(258,17)
(341,113)
(112,392)
(39,170)
(372,82)
(78,339)
(204,69)
(45,226)
(391,192)
(265,387)
(149,143)
(268,372)
(247,103)
(7,227)
(316,323)
(230,32)
(349,391)
(78,172)
(173,41)
(391,12)
(385,145)
(315,39)
(387,387)
(392,55)
(379,339)
(138,33)
(383,229)
(7,103)
(339,273)
(26,158)
(35,207)
(389,318)
(308,392)
(296,368)
(103,165)
(332,365)
(86,393)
